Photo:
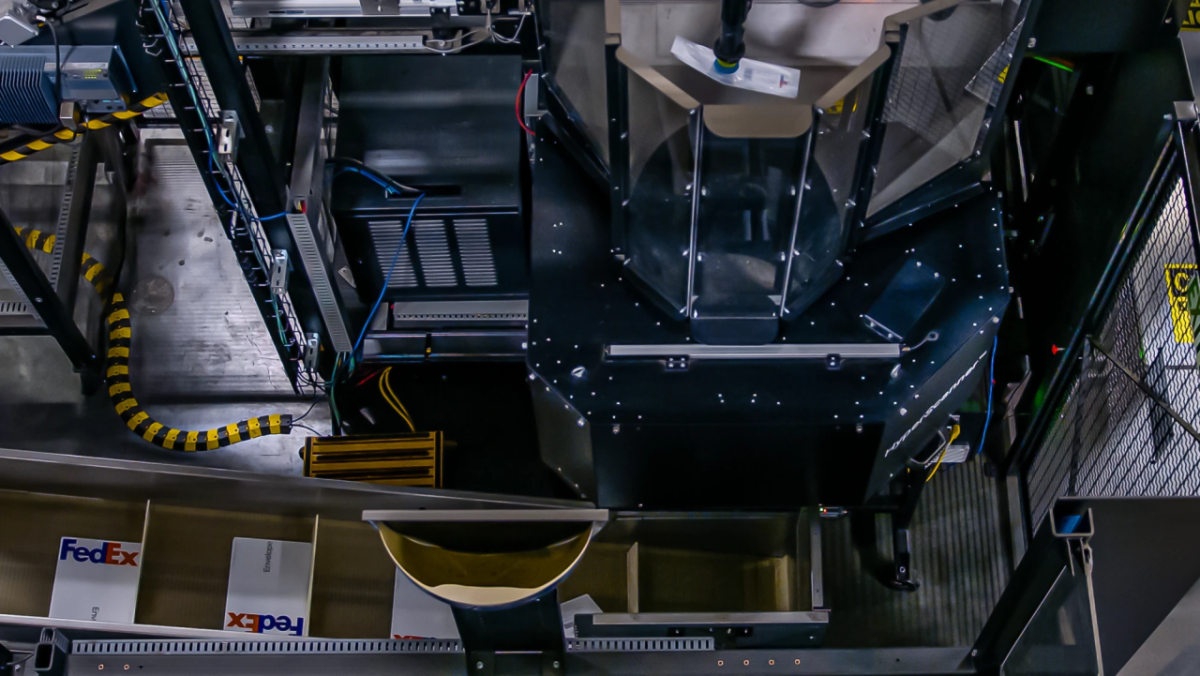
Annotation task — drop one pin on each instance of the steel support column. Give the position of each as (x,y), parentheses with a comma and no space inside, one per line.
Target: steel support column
(37,288)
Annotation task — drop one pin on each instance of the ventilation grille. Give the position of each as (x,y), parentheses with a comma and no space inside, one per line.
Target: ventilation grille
(64,218)
(438,253)
(433,248)
(475,251)
(13,308)
(18,304)
(202,647)
(318,277)
(608,645)
(26,95)
(473,311)
(386,235)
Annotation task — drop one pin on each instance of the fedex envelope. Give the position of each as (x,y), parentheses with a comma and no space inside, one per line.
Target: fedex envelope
(268,587)
(96,580)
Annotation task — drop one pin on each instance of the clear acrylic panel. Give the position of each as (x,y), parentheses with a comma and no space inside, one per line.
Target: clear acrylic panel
(839,133)
(946,79)
(747,212)
(574,33)
(1061,638)
(828,193)
(659,209)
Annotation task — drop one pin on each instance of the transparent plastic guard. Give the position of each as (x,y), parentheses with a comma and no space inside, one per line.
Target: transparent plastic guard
(757,76)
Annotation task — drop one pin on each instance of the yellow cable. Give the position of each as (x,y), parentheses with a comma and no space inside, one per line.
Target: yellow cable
(396,405)
(386,398)
(387,381)
(953,435)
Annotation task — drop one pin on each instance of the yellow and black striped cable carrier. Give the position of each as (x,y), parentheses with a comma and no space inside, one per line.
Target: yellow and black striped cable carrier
(89,268)
(139,421)
(120,390)
(66,135)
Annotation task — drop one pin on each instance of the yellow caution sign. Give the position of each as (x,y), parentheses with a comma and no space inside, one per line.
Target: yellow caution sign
(1191,20)
(1179,276)
(1002,76)
(1193,306)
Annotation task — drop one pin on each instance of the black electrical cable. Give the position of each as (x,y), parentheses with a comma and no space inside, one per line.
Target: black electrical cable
(315,433)
(58,77)
(18,663)
(310,410)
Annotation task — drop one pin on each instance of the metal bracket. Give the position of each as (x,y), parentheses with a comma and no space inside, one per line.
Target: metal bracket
(481,663)
(312,348)
(17,23)
(50,655)
(692,351)
(228,136)
(677,363)
(816,567)
(279,272)
(69,115)
(484,663)
(1186,110)
(530,104)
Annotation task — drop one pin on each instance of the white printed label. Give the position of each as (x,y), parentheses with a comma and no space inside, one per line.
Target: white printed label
(758,76)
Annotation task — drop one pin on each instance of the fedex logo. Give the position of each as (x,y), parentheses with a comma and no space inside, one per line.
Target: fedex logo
(258,624)
(108,553)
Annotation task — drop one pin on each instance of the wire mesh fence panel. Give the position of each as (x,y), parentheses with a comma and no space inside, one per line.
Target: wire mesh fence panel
(1111,438)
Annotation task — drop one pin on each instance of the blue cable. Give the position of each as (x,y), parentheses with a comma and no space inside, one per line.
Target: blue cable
(991,383)
(388,279)
(225,196)
(367,174)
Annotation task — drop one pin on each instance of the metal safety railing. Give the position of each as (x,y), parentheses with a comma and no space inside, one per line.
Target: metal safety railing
(1127,424)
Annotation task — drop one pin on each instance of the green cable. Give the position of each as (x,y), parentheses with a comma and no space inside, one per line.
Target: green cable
(1035,57)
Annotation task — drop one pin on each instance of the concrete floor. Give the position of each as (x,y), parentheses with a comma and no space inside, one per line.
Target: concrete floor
(203,360)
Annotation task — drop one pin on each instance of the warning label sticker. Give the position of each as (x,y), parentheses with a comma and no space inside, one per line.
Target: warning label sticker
(1179,276)
(1193,306)
(1191,21)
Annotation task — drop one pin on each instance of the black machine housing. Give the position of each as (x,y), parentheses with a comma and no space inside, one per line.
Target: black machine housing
(681,433)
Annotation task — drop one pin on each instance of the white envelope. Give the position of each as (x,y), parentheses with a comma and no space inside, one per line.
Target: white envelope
(268,587)
(96,580)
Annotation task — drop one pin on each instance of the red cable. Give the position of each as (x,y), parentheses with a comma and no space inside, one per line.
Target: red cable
(518,107)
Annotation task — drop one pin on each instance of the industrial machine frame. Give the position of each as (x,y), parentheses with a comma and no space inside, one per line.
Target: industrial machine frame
(268,197)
